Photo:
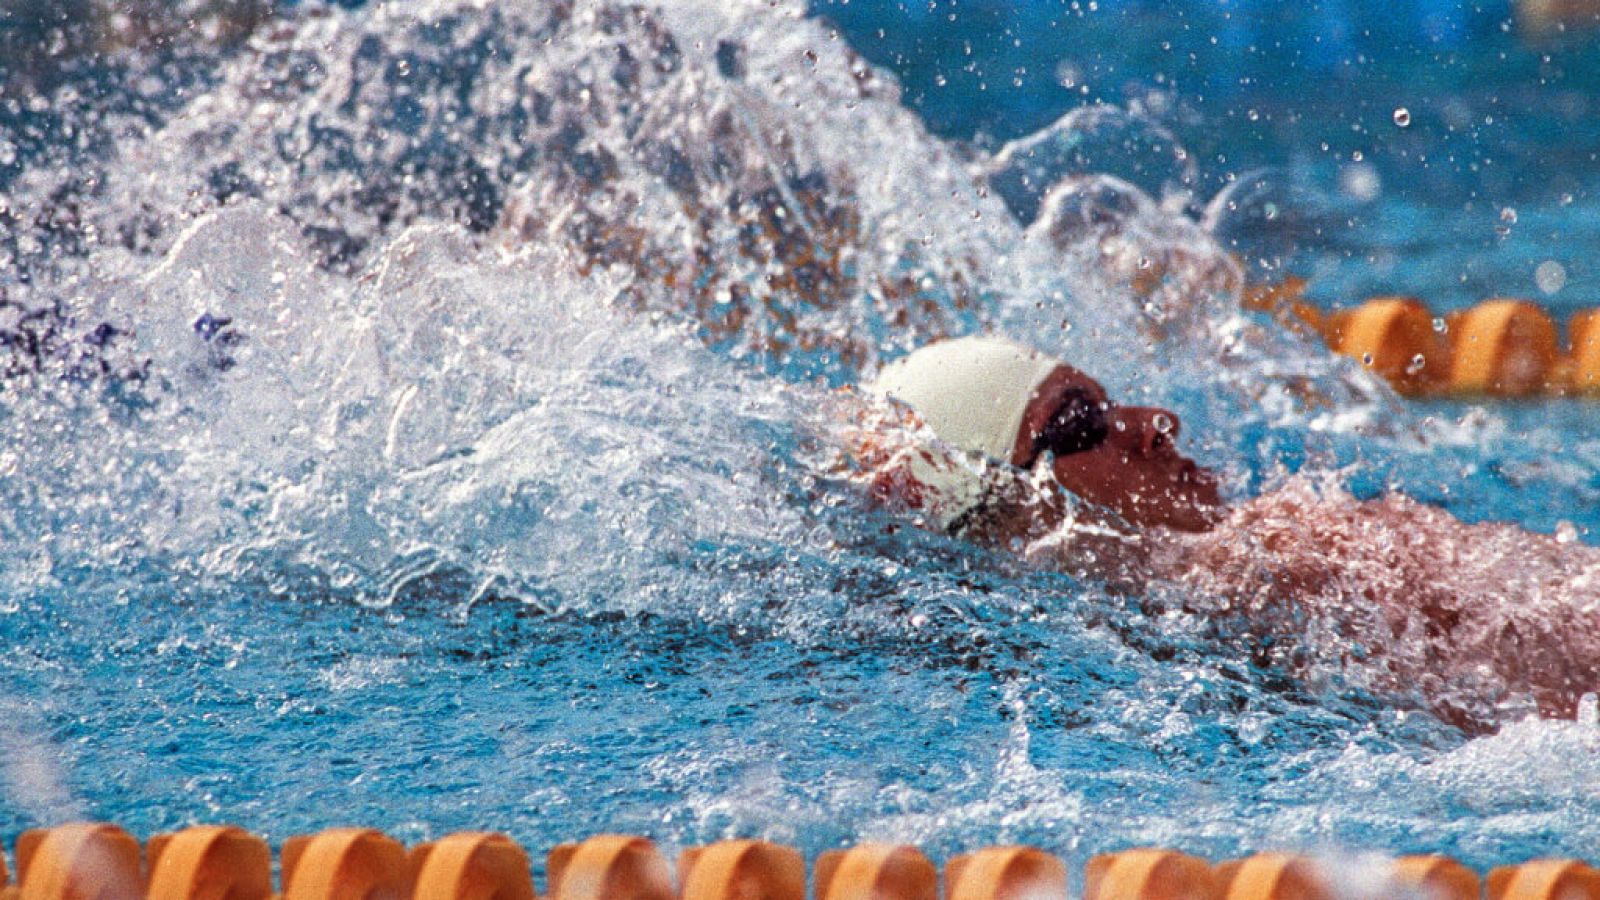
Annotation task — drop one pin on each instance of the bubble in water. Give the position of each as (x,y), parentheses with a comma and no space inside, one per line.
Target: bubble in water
(1418,362)
(1402,117)
(1550,276)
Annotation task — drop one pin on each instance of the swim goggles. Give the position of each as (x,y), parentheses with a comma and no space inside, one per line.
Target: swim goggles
(1079,424)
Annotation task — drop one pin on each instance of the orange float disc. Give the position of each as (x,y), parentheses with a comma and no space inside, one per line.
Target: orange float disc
(1583,332)
(471,865)
(555,863)
(210,861)
(153,845)
(1435,877)
(1149,875)
(1502,348)
(1394,338)
(1545,879)
(742,870)
(28,844)
(345,864)
(1310,318)
(1005,873)
(1272,876)
(876,872)
(1274,296)
(610,867)
(84,861)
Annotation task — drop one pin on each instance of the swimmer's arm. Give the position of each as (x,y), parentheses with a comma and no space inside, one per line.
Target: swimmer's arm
(1443,606)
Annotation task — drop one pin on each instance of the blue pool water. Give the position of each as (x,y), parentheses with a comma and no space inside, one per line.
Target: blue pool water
(409,420)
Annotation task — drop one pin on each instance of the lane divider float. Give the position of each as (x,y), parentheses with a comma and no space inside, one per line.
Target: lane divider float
(208,861)
(1502,348)
(96,861)
(471,865)
(344,864)
(1271,876)
(82,861)
(1149,875)
(1434,876)
(1004,872)
(607,866)
(1544,879)
(876,870)
(742,870)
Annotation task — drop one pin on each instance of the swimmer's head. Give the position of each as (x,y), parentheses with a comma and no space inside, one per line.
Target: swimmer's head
(972,391)
(1010,403)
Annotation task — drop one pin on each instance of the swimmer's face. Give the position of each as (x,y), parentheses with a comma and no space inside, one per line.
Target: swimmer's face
(1136,470)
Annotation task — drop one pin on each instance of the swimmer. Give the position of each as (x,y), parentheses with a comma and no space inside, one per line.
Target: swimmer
(995,443)
(995,398)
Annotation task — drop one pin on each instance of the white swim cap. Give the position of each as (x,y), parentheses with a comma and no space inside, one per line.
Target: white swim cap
(971,391)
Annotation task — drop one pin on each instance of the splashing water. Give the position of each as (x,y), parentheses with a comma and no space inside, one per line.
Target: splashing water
(432,415)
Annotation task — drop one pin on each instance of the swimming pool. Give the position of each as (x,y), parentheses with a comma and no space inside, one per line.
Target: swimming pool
(349,476)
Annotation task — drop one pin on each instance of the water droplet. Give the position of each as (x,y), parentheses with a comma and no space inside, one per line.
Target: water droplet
(1508,215)
(1162,423)
(1402,117)
(1253,729)
(1439,325)
(1418,362)
(1550,276)
(1566,533)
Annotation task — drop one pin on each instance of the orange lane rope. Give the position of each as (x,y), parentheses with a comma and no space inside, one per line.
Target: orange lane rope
(1502,347)
(95,861)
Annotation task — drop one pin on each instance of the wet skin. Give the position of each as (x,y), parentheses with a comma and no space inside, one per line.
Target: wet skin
(1137,471)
